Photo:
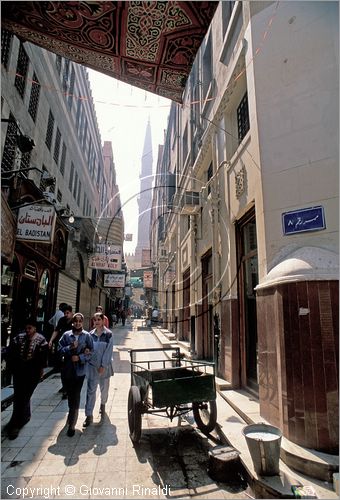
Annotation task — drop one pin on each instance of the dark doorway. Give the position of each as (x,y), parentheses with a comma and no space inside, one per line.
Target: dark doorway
(207,317)
(247,281)
(186,305)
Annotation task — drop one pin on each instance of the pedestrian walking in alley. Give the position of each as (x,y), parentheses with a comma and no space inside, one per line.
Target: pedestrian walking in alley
(64,324)
(99,368)
(75,347)
(57,315)
(123,316)
(26,357)
(99,309)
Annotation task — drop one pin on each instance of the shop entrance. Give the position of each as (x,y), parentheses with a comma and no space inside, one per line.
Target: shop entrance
(247,281)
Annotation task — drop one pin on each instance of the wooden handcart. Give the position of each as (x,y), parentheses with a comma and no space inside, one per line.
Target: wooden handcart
(170,387)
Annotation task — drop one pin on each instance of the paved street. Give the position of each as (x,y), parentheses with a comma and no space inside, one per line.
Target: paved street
(100,461)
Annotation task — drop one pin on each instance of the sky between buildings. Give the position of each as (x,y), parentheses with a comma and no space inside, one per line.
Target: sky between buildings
(122,113)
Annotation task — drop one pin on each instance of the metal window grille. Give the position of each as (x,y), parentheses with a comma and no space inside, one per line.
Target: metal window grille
(57,146)
(6,41)
(63,159)
(59,196)
(79,191)
(70,184)
(25,160)
(70,96)
(243,117)
(49,132)
(34,98)
(10,147)
(58,63)
(42,182)
(209,176)
(21,73)
(66,74)
(75,185)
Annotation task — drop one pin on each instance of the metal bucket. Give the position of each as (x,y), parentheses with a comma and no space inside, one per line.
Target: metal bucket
(264,442)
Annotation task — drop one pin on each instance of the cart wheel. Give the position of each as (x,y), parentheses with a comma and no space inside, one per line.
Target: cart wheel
(135,414)
(205,415)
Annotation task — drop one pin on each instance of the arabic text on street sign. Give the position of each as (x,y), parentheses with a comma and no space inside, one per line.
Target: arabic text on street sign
(305,219)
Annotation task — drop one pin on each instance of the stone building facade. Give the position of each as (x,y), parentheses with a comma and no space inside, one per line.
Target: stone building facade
(247,232)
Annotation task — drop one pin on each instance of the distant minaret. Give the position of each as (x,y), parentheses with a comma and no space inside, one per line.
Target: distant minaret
(145,198)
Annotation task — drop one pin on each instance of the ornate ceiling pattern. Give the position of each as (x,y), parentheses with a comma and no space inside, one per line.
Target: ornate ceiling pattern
(151,45)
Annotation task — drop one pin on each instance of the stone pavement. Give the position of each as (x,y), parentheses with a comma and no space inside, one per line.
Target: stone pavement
(53,465)
(99,461)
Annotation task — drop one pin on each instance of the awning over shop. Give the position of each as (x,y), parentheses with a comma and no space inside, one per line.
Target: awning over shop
(151,45)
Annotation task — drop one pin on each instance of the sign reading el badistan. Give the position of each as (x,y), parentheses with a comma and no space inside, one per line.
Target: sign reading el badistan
(36,223)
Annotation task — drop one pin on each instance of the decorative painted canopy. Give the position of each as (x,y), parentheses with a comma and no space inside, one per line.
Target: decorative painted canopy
(151,45)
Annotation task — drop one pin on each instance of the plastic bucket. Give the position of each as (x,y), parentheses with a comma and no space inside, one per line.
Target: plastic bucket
(264,443)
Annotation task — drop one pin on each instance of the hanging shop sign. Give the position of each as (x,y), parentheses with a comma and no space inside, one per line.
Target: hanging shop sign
(146,257)
(148,279)
(305,219)
(114,280)
(36,223)
(107,257)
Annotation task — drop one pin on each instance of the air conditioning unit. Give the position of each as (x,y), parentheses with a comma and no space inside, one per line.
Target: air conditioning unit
(190,203)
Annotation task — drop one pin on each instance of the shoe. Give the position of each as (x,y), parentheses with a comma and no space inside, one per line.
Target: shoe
(102,409)
(13,433)
(88,421)
(71,432)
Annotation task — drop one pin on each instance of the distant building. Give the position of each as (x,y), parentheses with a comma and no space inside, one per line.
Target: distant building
(145,198)
(48,99)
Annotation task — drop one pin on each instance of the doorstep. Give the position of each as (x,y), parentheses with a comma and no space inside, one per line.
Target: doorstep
(307,461)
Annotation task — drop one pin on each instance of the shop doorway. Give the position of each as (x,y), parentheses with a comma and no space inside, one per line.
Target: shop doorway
(186,306)
(26,301)
(247,281)
(207,309)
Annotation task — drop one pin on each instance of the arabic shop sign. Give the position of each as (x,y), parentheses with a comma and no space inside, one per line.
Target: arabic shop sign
(107,257)
(147,279)
(306,219)
(114,280)
(36,223)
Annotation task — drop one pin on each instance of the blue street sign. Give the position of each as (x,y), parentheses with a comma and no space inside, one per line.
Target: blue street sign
(306,219)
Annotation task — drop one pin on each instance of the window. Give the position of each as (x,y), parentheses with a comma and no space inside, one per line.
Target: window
(58,63)
(71,89)
(6,41)
(65,75)
(79,191)
(25,160)
(63,159)
(34,97)
(49,132)
(185,144)
(70,184)
(57,146)
(42,185)
(227,8)
(243,117)
(9,150)
(75,185)
(207,67)
(21,73)
(209,176)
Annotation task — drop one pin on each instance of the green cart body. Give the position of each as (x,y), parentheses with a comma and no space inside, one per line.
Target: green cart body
(171,387)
